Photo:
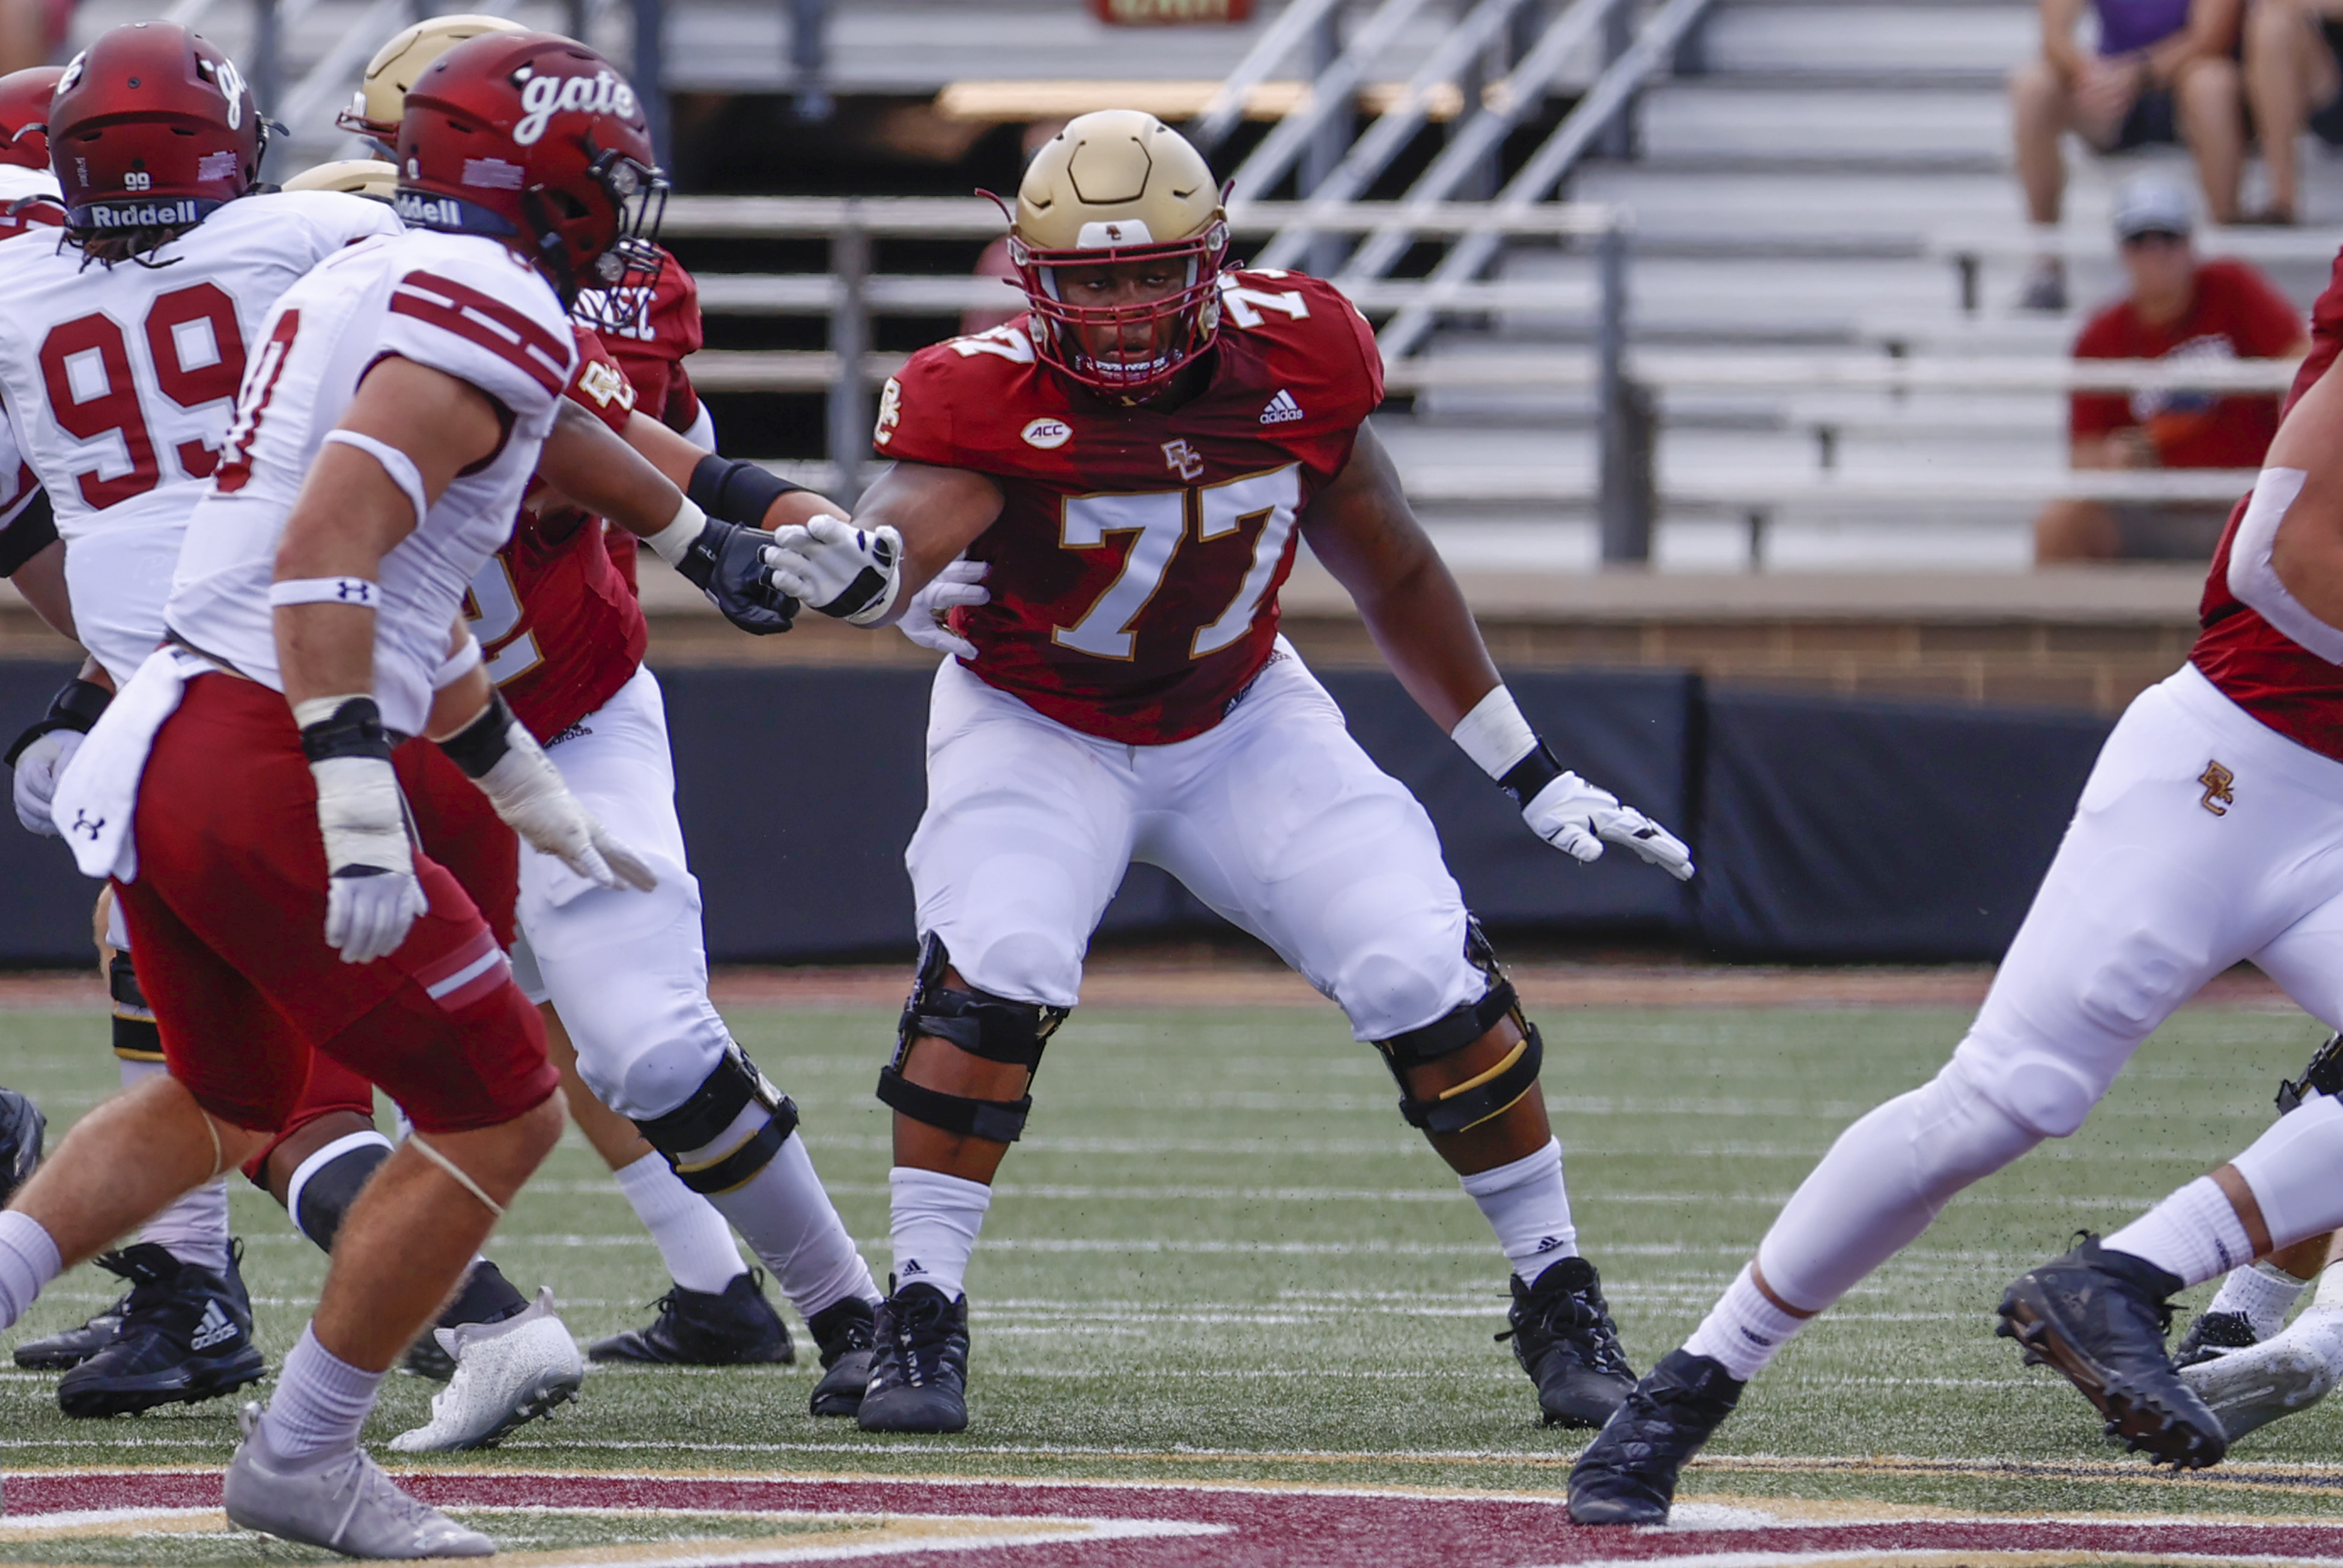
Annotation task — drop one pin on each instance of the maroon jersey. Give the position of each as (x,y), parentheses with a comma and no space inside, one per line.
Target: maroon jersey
(561,631)
(1138,551)
(656,327)
(2256,666)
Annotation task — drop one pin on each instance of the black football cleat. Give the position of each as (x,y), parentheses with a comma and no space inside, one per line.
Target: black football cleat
(844,1333)
(1563,1338)
(2212,1336)
(23,1132)
(186,1337)
(1627,1475)
(2098,1319)
(919,1367)
(483,1296)
(58,1352)
(732,1327)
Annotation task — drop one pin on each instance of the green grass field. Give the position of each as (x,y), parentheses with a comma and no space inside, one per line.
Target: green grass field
(1220,1254)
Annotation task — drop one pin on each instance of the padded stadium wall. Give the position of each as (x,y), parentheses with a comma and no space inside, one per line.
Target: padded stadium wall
(1826,830)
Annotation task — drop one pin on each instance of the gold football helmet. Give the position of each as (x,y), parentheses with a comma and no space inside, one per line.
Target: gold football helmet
(357,176)
(381,96)
(1114,188)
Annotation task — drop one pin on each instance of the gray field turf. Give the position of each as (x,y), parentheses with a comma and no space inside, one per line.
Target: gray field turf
(1219,1253)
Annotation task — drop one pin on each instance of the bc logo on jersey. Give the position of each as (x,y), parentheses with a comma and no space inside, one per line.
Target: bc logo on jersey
(1184,459)
(2217,781)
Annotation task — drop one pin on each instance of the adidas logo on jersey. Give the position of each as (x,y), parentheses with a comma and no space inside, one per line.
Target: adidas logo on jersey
(214,1329)
(1282,410)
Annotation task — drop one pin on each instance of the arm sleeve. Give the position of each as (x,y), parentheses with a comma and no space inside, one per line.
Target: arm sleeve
(32,529)
(471,323)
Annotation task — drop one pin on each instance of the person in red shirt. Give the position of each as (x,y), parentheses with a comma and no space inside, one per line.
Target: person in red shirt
(1137,460)
(2209,834)
(2179,307)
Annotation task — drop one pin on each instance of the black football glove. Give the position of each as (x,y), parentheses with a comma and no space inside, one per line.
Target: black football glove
(725,562)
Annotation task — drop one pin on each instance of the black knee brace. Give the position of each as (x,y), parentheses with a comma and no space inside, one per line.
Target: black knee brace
(136,1038)
(325,1199)
(1492,1092)
(713,1108)
(979,1023)
(2323,1075)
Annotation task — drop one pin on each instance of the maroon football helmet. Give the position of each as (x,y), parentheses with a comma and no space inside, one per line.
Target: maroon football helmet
(152,127)
(25,115)
(537,141)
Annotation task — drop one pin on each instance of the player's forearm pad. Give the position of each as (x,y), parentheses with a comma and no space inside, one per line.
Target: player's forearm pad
(736,490)
(1495,736)
(75,706)
(482,744)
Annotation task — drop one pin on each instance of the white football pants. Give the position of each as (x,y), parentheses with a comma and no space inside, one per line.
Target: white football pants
(1274,817)
(2202,837)
(628,970)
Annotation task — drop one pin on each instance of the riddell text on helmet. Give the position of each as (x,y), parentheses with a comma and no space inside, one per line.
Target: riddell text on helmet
(144,215)
(542,97)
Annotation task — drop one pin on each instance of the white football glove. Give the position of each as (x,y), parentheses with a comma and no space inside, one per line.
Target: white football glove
(962,582)
(528,792)
(837,568)
(37,767)
(1577,818)
(372,894)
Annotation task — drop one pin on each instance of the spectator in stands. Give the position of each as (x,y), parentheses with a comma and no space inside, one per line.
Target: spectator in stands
(2164,71)
(2178,307)
(32,32)
(2294,81)
(994,262)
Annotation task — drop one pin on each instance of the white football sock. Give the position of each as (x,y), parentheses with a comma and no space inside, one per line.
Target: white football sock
(193,1229)
(2195,1235)
(320,1401)
(1527,1206)
(788,1221)
(693,1239)
(1744,1331)
(936,1218)
(2330,1288)
(29,1261)
(2262,1295)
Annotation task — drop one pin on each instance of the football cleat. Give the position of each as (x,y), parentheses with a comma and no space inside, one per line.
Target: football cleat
(339,1500)
(485,1296)
(1564,1337)
(843,1332)
(507,1373)
(23,1132)
(2098,1319)
(2288,1371)
(918,1364)
(1627,1475)
(732,1327)
(185,1335)
(2212,1336)
(70,1348)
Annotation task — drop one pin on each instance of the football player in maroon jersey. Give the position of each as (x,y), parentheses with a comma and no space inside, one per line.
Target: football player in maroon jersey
(2210,833)
(1136,460)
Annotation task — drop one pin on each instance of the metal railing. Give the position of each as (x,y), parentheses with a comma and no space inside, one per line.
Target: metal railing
(849,294)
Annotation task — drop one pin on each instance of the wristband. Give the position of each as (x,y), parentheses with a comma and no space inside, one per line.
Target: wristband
(736,490)
(341,727)
(394,463)
(356,592)
(75,706)
(1496,736)
(480,745)
(674,541)
(2254,580)
(457,665)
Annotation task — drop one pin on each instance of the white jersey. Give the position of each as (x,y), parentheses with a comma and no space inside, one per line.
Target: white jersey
(454,303)
(120,383)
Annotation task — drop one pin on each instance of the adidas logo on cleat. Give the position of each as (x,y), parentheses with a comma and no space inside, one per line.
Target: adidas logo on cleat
(215,1328)
(1282,410)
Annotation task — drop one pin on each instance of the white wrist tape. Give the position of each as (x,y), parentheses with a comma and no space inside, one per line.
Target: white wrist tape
(396,463)
(2254,580)
(672,541)
(457,665)
(353,591)
(1494,734)
(318,709)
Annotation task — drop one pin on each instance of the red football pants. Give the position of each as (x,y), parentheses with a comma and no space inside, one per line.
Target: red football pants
(227,918)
